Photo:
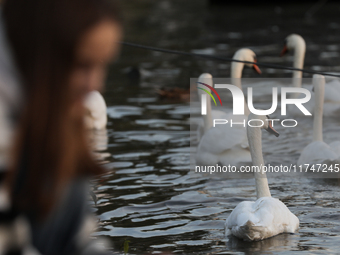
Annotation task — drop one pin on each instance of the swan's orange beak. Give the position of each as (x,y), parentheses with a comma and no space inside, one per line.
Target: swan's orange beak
(256,68)
(271,130)
(284,51)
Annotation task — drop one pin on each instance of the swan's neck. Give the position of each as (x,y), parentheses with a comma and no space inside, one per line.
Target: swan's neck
(318,112)
(236,70)
(299,57)
(207,119)
(236,75)
(255,144)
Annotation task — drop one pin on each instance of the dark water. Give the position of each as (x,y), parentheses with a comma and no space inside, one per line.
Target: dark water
(149,196)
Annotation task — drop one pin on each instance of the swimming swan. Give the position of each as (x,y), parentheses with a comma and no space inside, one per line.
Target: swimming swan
(236,75)
(296,43)
(207,122)
(95,107)
(226,144)
(318,151)
(267,216)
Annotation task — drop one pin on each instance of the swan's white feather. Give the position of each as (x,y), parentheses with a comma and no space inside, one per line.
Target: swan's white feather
(96,116)
(264,218)
(317,152)
(224,144)
(215,114)
(236,156)
(335,146)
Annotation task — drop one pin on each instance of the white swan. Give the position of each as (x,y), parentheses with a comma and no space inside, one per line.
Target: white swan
(296,43)
(207,122)
(225,144)
(267,216)
(318,151)
(95,115)
(236,75)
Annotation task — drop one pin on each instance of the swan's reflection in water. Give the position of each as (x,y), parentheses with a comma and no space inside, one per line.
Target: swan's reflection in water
(98,141)
(282,242)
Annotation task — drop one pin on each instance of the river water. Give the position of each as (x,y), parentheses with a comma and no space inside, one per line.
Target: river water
(149,196)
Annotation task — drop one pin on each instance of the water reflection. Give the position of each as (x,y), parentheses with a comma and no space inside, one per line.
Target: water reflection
(149,196)
(283,242)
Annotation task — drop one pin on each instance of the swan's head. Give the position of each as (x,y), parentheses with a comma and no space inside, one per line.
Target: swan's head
(263,122)
(292,42)
(247,55)
(205,78)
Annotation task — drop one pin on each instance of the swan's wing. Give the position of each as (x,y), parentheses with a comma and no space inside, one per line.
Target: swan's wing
(317,152)
(206,158)
(215,114)
(240,215)
(235,156)
(219,142)
(221,138)
(274,215)
(261,219)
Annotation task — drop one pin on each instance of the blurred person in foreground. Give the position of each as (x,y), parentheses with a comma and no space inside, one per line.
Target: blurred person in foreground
(52,53)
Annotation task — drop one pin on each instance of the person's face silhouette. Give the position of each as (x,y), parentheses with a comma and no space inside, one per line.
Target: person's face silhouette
(96,49)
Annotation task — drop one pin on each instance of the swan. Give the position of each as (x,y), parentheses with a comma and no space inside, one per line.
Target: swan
(318,151)
(225,144)
(296,43)
(236,75)
(267,216)
(95,111)
(207,122)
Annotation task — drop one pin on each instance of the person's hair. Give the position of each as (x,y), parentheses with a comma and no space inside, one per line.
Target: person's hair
(51,147)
